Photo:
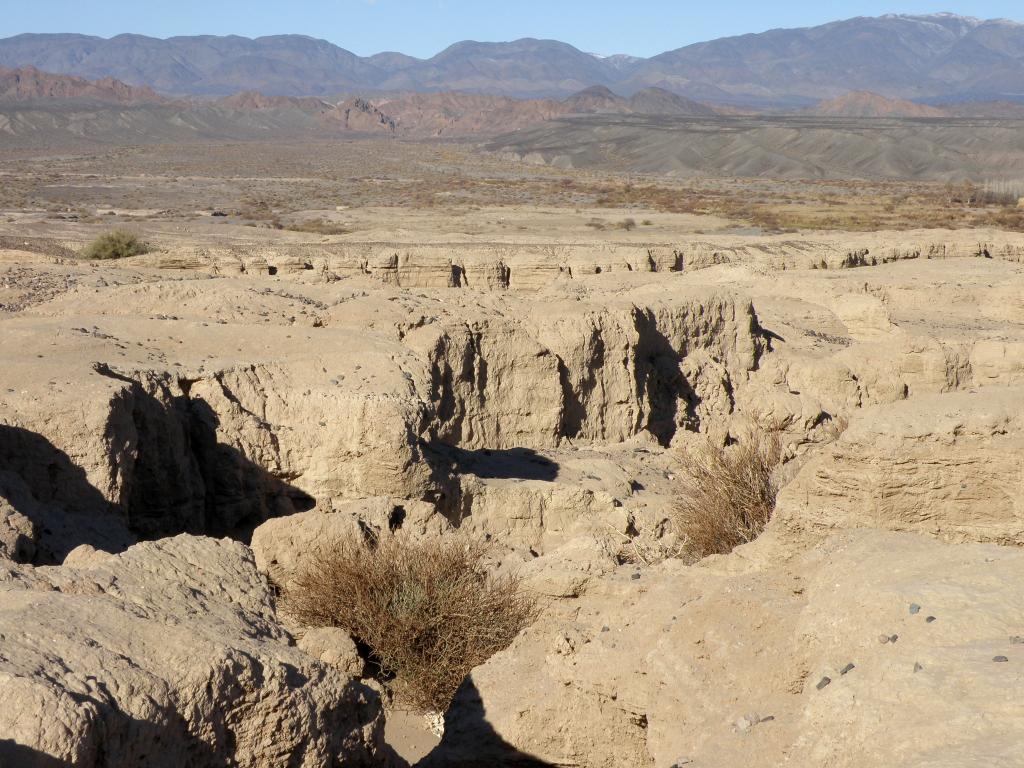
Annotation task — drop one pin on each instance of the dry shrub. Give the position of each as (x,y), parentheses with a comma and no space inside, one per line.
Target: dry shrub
(728,493)
(428,610)
(115,244)
(318,227)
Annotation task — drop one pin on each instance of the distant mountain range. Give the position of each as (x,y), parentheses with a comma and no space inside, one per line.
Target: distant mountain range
(935,58)
(39,108)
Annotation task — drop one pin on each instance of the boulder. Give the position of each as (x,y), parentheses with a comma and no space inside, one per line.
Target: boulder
(334,647)
(169,654)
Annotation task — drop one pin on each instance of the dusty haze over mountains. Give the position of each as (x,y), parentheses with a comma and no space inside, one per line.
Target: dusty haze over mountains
(936,57)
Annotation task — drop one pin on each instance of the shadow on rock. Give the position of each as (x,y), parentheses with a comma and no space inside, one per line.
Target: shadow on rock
(119,740)
(509,464)
(170,474)
(58,506)
(659,379)
(14,754)
(471,742)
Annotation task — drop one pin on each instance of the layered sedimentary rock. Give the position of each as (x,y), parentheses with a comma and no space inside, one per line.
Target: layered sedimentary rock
(947,465)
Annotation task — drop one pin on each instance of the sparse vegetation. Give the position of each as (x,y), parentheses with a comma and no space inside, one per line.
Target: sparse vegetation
(115,244)
(428,611)
(318,227)
(728,493)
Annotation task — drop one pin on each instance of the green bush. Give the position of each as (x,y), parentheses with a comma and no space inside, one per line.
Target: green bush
(115,244)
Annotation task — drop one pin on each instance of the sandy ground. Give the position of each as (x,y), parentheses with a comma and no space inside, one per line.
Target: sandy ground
(409,735)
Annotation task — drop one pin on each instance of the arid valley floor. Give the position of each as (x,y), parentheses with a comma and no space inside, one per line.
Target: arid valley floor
(434,338)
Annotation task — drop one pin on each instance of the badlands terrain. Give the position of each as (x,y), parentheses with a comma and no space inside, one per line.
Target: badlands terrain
(431,340)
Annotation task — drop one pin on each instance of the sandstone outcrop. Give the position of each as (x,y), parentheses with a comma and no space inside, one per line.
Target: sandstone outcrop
(778,663)
(533,396)
(946,465)
(155,425)
(169,654)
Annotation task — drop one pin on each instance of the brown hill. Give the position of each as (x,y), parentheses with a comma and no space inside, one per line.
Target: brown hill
(867,104)
(596,100)
(407,114)
(1007,110)
(254,100)
(453,114)
(456,113)
(29,84)
(362,116)
(658,101)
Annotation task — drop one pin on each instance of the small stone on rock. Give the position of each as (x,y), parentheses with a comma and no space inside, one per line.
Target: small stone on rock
(1000,659)
(917,667)
(893,638)
(848,668)
(930,619)
(824,683)
(743,724)
(635,577)
(883,639)
(914,609)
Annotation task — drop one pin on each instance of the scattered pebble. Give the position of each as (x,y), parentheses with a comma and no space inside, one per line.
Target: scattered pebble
(824,683)
(883,639)
(1000,659)
(930,619)
(747,722)
(917,667)
(914,609)
(606,629)
(848,668)
(635,577)
(893,638)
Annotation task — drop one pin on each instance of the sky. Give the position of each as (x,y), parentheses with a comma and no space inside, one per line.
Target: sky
(425,27)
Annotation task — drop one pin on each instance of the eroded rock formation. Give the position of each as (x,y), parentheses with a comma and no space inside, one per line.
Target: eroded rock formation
(534,397)
(169,654)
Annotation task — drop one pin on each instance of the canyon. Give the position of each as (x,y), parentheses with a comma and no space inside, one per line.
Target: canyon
(535,396)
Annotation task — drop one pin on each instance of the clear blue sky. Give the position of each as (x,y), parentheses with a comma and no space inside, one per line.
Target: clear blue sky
(424,27)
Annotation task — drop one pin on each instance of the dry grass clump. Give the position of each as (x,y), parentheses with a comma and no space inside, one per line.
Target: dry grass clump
(115,244)
(318,227)
(728,493)
(428,610)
